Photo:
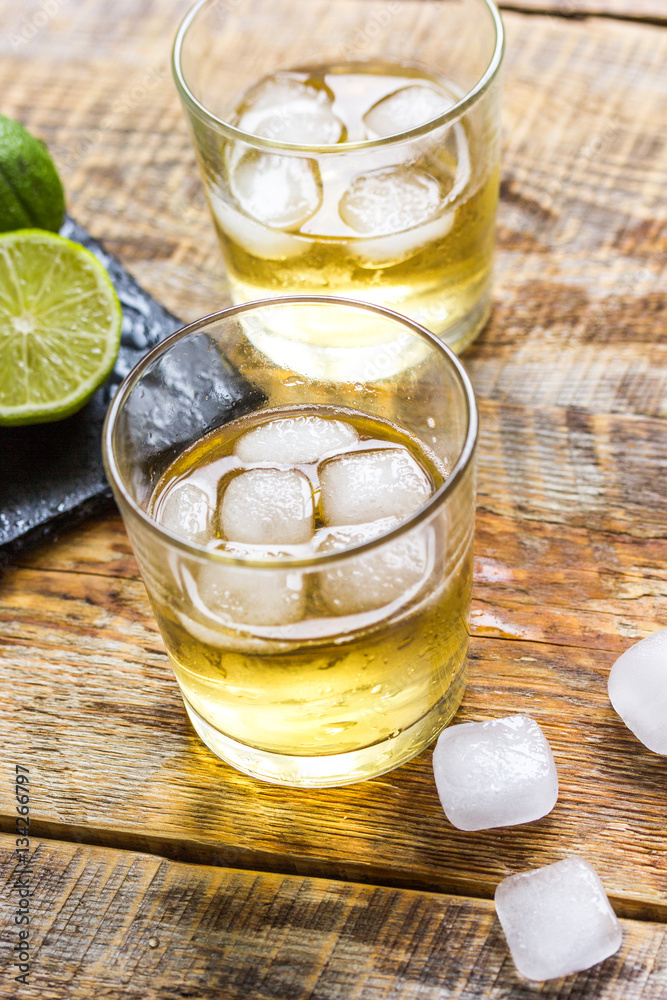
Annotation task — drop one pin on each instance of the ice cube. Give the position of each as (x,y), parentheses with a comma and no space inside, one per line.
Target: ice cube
(186,511)
(405,109)
(278,190)
(557,919)
(497,773)
(247,596)
(267,507)
(366,485)
(280,92)
(295,440)
(383,251)
(288,110)
(393,571)
(319,127)
(390,200)
(255,238)
(638,690)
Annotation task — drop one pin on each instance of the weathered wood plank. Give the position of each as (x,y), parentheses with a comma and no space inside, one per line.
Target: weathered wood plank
(571,529)
(518,558)
(572,380)
(115,924)
(562,497)
(580,316)
(99,545)
(89,703)
(581,300)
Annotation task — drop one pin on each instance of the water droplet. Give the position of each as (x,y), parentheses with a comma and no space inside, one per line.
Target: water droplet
(153,942)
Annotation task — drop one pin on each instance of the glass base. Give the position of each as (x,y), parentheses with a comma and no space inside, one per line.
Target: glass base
(467,329)
(298,341)
(332,769)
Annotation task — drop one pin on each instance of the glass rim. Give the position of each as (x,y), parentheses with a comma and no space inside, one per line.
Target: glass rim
(219,124)
(289,561)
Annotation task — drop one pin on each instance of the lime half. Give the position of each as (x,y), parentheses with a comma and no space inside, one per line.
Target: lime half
(60,323)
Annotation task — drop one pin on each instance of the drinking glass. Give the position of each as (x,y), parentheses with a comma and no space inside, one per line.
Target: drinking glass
(372,664)
(351,149)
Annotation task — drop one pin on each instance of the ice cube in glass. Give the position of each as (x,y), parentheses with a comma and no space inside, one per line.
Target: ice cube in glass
(367,485)
(267,507)
(393,572)
(242,595)
(186,512)
(297,440)
(405,109)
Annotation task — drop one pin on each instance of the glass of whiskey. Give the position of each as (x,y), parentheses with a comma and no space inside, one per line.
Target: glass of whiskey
(350,149)
(306,542)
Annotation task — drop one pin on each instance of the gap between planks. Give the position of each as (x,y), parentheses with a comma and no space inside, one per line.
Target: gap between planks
(560,11)
(120,924)
(194,854)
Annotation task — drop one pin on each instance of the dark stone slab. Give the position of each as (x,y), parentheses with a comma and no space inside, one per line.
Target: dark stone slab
(52,474)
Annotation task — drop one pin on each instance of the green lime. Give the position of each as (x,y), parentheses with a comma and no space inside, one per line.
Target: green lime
(60,323)
(31,193)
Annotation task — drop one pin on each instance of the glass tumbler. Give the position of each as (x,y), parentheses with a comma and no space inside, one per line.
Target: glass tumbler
(349,148)
(317,664)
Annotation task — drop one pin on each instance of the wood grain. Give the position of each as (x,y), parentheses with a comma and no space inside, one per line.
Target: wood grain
(583,224)
(115,924)
(571,550)
(89,703)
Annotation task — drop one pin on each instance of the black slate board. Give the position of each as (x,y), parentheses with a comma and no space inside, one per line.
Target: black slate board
(51,475)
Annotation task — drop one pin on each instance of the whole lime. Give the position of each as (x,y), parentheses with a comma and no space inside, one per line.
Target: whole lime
(31,192)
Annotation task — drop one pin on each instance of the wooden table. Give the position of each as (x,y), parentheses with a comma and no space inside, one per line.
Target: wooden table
(159,872)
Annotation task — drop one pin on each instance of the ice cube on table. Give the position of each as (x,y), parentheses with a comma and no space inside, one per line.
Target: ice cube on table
(267,507)
(638,690)
(278,190)
(186,511)
(367,485)
(390,200)
(297,440)
(246,596)
(405,109)
(557,919)
(393,571)
(496,773)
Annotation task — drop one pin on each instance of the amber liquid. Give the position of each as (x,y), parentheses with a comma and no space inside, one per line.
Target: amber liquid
(374,685)
(438,272)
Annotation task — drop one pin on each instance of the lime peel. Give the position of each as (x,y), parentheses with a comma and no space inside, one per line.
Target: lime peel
(31,192)
(60,326)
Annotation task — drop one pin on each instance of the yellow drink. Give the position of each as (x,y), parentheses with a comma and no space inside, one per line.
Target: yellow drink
(362,656)
(408,225)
